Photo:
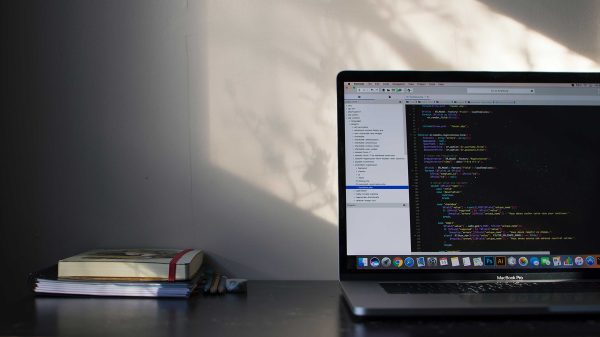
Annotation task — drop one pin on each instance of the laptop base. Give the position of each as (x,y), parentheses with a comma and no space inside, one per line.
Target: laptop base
(368,298)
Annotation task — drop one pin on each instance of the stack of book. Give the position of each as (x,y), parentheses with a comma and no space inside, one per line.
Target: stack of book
(124,272)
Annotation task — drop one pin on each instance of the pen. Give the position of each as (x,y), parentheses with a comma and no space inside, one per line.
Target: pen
(221,288)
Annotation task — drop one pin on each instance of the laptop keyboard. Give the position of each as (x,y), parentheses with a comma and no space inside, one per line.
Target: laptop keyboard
(491,287)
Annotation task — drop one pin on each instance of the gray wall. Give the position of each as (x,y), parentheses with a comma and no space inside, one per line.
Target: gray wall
(99,123)
(211,124)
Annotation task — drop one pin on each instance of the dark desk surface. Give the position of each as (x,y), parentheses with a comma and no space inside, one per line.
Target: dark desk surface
(271,308)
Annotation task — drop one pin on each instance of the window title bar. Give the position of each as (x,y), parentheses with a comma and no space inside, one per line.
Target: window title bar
(470,84)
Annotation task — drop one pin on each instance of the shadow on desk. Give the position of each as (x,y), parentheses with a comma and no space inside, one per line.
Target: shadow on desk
(271,308)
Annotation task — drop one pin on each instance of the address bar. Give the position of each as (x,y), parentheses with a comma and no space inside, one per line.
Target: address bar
(522,91)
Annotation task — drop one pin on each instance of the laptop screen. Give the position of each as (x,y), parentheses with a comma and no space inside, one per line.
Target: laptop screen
(470,175)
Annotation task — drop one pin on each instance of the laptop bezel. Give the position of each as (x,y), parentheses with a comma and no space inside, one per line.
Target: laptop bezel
(346,272)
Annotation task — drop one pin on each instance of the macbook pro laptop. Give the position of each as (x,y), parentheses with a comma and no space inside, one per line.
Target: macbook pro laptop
(469,192)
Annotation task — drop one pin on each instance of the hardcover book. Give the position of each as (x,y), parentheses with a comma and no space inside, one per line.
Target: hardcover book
(133,264)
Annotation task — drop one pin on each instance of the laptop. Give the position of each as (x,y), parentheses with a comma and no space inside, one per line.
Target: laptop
(466,193)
